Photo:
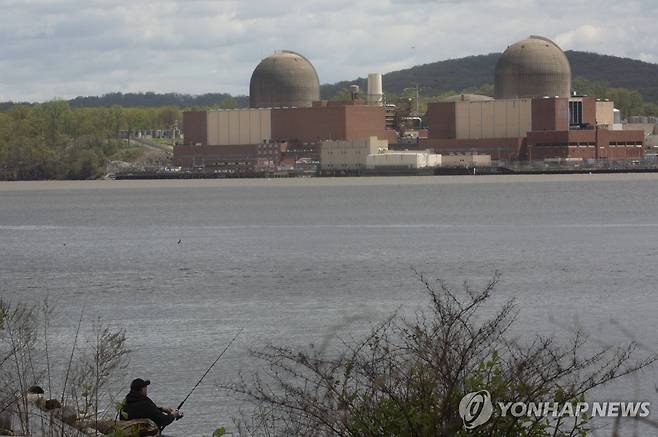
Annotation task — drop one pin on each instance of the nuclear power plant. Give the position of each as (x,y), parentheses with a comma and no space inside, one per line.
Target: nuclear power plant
(534,116)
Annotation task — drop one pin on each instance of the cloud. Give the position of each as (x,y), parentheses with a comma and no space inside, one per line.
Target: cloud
(65,48)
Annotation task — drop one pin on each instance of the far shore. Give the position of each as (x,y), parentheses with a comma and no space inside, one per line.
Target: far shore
(320,182)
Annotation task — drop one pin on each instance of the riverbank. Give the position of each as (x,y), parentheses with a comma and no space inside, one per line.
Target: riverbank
(325,181)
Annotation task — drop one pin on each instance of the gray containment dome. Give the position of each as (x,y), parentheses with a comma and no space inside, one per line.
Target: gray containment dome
(534,67)
(284,79)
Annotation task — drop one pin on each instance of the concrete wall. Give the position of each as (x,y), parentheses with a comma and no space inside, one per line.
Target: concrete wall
(466,160)
(239,126)
(349,155)
(493,119)
(403,160)
(605,113)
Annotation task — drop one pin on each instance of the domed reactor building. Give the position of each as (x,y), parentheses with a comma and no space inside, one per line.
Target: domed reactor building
(285,79)
(533,68)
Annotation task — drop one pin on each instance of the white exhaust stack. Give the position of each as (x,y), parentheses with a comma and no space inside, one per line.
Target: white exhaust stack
(375,90)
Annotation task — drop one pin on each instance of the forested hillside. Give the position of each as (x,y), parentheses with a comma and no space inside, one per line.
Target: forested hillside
(599,75)
(55,141)
(591,71)
(152,100)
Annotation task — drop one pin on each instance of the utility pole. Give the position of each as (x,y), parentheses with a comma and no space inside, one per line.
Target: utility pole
(417,85)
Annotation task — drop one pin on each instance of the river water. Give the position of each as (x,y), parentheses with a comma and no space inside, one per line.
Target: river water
(307,260)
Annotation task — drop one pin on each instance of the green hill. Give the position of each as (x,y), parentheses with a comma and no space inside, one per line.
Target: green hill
(477,72)
(594,74)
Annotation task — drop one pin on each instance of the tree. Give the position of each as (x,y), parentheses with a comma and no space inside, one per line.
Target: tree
(408,376)
(344,95)
(629,102)
(25,361)
(168,117)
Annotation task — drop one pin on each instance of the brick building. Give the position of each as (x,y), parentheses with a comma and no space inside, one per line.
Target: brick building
(530,129)
(240,138)
(234,158)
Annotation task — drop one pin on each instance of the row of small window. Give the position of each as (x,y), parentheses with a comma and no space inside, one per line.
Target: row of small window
(590,145)
(228,163)
(625,143)
(331,166)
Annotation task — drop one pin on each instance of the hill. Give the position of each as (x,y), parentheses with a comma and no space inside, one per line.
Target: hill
(152,100)
(478,72)
(473,73)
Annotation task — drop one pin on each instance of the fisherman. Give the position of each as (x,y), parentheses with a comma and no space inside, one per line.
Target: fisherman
(138,406)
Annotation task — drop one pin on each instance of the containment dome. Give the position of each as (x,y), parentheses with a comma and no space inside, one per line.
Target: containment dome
(284,79)
(534,67)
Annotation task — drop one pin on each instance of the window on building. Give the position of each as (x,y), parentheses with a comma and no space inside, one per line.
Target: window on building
(575,113)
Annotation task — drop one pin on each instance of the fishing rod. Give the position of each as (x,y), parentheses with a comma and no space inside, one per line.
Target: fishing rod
(210,368)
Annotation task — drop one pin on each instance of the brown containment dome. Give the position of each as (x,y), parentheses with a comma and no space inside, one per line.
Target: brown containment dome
(533,68)
(285,79)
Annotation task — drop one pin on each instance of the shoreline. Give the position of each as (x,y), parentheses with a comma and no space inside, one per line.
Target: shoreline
(321,181)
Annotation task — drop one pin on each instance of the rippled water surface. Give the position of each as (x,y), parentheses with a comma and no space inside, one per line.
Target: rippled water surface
(302,261)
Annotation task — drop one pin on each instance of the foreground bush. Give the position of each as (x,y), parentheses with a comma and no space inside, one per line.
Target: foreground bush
(408,376)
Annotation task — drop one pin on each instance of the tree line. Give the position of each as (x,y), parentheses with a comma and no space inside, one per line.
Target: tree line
(54,140)
(629,101)
(149,100)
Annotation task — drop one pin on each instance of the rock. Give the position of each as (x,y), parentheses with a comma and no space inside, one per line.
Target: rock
(102,426)
(52,404)
(5,423)
(139,427)
(67,415)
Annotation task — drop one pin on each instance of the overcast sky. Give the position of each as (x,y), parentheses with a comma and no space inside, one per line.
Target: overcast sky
(66,48)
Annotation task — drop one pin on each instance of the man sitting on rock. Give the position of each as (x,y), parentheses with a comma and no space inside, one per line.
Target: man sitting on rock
(138,406)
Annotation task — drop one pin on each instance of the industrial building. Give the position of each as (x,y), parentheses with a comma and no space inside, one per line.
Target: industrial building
(402,159)
(355,156)
(243,158)
(530,130)
(349,155)
(533,117)
(212,138)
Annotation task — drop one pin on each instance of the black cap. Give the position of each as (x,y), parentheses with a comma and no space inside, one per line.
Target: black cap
(139,384)
(35,389)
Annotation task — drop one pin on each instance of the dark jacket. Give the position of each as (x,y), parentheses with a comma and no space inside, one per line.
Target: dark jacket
(138,406)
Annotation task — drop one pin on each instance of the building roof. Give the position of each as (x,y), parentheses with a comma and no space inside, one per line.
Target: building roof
(467,98)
